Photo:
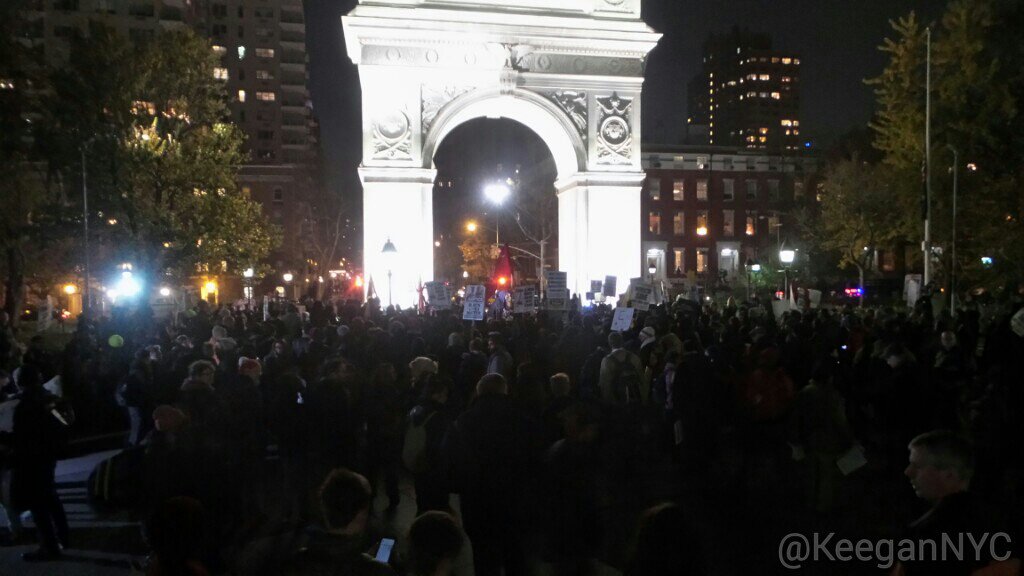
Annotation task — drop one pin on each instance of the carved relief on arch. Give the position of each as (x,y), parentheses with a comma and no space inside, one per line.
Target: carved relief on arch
(434,97)
(614,131)
(392,136)
(574,104)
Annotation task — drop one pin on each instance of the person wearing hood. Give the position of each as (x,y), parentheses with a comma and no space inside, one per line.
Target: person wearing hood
(429,471)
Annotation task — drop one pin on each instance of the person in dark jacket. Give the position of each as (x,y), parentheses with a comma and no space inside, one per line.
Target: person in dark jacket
(39,435)
(495,451)
(338,544)
(384,408)
(431,480)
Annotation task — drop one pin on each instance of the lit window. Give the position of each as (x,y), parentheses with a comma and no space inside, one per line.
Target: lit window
(702,260)
(796,132)
(219,50)
(241,52)
(680,263)
(763,130)
(266,96)
(678,190)
(654,188)
(702,223)
(786,79)
(751,228)
(678,224)
(776,96)
(764,77)
(796,122)
(220,73)
(241,95)
(264,75)
(264,52)
(702,189)
(6,84)
(787,61)
(654,223)
(775,60)
(787,122)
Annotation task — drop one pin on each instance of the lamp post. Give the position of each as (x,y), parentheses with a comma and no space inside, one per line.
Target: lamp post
(248,273)
(389,252)
(952,266)
(787,257)
(85,233)
(497,193)
(288,277)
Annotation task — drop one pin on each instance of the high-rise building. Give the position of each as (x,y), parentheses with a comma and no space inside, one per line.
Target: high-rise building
(262,48)
(746,94)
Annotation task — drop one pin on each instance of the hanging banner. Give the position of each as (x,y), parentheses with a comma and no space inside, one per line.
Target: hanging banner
(475,303)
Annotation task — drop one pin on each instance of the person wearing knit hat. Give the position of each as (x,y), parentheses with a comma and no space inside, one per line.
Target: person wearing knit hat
(647,336)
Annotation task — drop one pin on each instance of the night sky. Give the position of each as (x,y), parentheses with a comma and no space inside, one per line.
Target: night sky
(836,41)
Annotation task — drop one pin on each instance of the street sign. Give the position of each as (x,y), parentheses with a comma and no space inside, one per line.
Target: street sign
(438,295)
(622,319)
(475,303)
(609,286)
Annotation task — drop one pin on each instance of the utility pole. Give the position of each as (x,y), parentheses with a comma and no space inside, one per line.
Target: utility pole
(952,265)
(86,297)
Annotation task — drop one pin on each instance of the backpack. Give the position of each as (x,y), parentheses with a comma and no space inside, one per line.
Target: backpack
(625,382)
(414,449)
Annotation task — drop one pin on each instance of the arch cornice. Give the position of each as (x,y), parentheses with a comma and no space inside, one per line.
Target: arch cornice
(529,108)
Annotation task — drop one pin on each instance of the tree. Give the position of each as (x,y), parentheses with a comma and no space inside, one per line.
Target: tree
(24,198)
(977,79)
(162,156)
(855,218)
(477,257)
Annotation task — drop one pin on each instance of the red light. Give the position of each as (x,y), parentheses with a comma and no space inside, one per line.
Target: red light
(502,281)
(359,281)
(780,294)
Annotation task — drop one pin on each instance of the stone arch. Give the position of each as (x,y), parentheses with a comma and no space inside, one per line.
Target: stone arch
(572,73)
(523,106)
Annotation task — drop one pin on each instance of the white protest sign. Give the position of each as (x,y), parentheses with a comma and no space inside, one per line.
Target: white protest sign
(558,299)
(622,319)
(475,304)
(815,297)
(1017,323)
(524,299)
(609,286)
(912,288)
(779,307)
(437,294)
(557,281)
(642,296)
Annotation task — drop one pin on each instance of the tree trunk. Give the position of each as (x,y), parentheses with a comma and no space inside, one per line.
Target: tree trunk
(860,273)
(15,286)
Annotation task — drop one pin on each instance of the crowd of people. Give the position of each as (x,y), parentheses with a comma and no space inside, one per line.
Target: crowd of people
(259,441)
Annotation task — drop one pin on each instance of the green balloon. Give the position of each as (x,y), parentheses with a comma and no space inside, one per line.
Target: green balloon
(115,341)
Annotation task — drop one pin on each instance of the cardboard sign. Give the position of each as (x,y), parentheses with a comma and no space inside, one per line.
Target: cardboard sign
(557,281)
(438,295)
(912,288)
(595,286)
(475,303)
(641,296)
(609,286)
(622,319)
(524,299)
(1017,323)
(558,299)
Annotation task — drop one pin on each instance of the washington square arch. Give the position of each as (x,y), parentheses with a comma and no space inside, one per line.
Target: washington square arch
(570,70)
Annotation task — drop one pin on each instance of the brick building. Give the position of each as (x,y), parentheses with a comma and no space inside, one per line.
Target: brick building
(708,211)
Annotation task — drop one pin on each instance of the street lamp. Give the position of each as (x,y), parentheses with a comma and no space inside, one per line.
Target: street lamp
(497,193)
(389,251)
(786,257)
(248,273)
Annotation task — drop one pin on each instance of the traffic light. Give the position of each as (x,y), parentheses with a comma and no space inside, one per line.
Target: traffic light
(502,281)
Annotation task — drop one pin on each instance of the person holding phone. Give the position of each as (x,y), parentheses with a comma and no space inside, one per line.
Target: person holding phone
(338,543)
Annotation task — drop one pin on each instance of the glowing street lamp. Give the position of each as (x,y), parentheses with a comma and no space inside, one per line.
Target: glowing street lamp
(389,252)
(288,277)
(165,291)
(70,289)
(471,226)
(786,257)
(497,193)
